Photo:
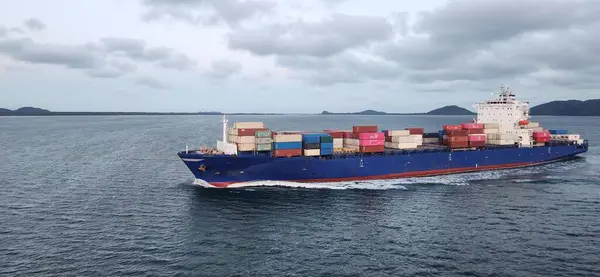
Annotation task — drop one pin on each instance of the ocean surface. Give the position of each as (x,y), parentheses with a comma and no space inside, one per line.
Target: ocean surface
(107,196)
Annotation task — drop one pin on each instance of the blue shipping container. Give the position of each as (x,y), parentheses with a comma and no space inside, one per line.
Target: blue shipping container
(326,145)
(327,151)
(287,145)
(559,132)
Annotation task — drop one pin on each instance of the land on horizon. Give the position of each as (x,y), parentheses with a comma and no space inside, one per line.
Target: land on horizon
(558,108)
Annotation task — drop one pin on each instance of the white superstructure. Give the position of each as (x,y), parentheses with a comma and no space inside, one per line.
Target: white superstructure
(507,112)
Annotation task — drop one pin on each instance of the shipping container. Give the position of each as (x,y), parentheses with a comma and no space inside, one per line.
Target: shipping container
(401,145)
(458,139)
(403,139)
(351,141)
(477,143)
(326,145)
(541,134)
(263,140)
(477,137)
(248,125)
(364,129)
(263,134)
(458,144)
(335,134)
(245,139)
(472,126)
(533,125)
(287,138)
(249,131)
(311,145)
(452,127)
(287,152)
(312,152)
(541,139)
(372,148)
(264,147)
(394,133)
(326,138)
(371,142)
(370,136)
(491,131)
(326,151)
(338,142)
(558,132)
(435,140)
(246,147)
(475,131)
(452,133)
(416,131)
(287,145)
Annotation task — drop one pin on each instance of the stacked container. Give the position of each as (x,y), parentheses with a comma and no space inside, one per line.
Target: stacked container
(366,139)
(338,137)
(541,137)
(287,145)
(402,139)
(311,144)
(247,135)
(456,139)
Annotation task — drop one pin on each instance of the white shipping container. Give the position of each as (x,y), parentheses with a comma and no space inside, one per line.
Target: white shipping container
(403,139)
(312,152)
(431,140)
(394,133)
(352,147)
(246,146)
(350,141)
(248,125)
(246,139)
(401,145)
(287,138)
(263,140)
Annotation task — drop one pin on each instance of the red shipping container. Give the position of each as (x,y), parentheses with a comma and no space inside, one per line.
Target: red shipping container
(452,127)
(477,143)
(388,139)
(416,131)
(472,126)
(541,139)
(477,137)
(454,133)
(287,152)
(371,149)
(458,139)
(371,142)
(250,131)
(458,144)
(475,131)
(364,129)
(370,135)
(335,134)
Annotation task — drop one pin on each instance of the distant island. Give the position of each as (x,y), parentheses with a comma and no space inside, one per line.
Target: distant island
(558,108)
(447,110)
(568,108)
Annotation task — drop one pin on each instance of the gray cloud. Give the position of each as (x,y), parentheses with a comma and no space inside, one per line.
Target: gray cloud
(468,44)
(136,49)
(151,82)
(206,12)
(328,37)
(79,56)
(224,68)
(34,24)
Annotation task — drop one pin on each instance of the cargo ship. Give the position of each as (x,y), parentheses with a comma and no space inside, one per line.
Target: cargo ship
(502,136)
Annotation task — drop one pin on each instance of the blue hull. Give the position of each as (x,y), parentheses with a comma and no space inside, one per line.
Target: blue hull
(224,170)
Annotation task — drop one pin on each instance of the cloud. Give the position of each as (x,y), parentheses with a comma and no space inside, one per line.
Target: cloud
(224,68)
(463,44)
(27,50)
(136,49)
(151,82)
(34,24)
(207,12)
(325,38)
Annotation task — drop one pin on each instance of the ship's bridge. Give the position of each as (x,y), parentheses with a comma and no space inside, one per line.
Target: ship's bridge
(504,110)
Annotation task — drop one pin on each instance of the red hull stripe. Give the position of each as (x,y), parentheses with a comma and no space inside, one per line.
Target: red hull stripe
(403,175)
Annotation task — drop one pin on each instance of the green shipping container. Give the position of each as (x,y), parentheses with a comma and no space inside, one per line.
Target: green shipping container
(263,147)
(262,134)
(326,139)
(263,140)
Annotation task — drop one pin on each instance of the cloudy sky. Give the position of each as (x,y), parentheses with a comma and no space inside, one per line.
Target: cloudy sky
(294,55)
